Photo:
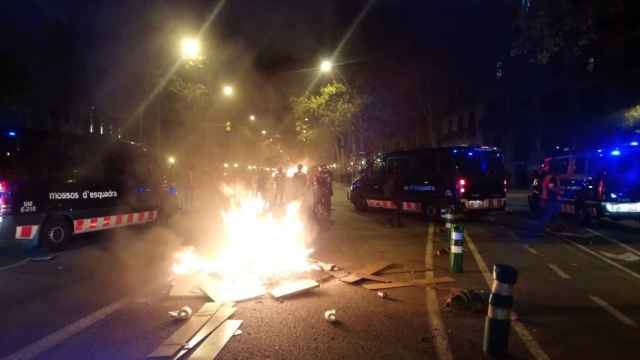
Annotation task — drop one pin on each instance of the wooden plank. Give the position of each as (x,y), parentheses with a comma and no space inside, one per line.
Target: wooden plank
(174,343)
(212,346)
(223,314)
(208,309)
(398,284)
(390,285)
(293,287)
(212,288)
(185,290)
(404,271)
(377,278)
(435,281)
(370,269)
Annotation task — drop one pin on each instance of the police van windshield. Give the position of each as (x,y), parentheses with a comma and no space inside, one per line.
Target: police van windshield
(479,163)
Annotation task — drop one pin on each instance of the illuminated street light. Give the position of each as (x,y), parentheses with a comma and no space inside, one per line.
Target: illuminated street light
(326,66)
(235,165)
(264,132)
(190,48)
(171,160)
(252,117)
(227,90)
(226,165)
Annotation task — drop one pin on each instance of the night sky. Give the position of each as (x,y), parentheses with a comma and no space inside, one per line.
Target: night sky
(79,53)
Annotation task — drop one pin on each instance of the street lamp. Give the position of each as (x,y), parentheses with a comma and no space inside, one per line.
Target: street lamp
(190,48)
(252,117)
(171,160)
(227,90)
(263,132)
(326,66)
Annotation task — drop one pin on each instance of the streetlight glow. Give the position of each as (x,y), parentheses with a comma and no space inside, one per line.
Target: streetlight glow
(171,160)
(326,66)
(264,132)
(252,117)
(227,90)
(190,48)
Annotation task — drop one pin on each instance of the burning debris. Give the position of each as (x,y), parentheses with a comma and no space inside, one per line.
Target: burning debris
(260,251)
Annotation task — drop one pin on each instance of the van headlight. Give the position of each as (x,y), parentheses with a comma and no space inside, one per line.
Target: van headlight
(622,207)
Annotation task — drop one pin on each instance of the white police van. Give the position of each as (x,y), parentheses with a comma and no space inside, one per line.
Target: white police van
(54,186)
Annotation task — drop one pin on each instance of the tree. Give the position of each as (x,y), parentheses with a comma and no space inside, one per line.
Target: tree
(326,118)
(546,28)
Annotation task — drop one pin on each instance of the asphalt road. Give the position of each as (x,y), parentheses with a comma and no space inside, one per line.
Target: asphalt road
(107,297)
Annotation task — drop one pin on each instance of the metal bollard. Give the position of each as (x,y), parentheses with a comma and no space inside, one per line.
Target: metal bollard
(457,247)
(498,320)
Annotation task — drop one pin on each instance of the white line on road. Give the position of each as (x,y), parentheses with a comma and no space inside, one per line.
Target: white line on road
(528,340)
(559,271)
(33,350)
(614,241)
(440,338)
(15,265)
(612,263)
(613,311)
(531,250)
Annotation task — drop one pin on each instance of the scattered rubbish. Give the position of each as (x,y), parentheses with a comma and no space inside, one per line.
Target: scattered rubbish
(442,251)
(330,315)
(370,269)
(43,258)
(399,284)
(377,278)
(627,256)
(174,343)
(319,275)
(467,300)
(435,281)
(212,346)
(238,332)
(214,322)
(382,294)
(183,313)
(403,271)
(391,285)
(293,287)
(326,266)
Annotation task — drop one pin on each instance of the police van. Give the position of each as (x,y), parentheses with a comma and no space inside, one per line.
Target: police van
(55,186)
(601,183)
(463,179)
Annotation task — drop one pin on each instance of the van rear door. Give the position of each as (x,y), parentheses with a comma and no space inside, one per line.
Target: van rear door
(482,173)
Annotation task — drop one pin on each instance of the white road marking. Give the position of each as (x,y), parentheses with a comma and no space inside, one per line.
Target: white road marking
(531,250)
(528,340)
(612,263)
(440,338)
(613,311)
(33,350)
(633,250)
(19,263)
(559,271)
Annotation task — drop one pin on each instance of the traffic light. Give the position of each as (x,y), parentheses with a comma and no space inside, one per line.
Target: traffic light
(227,126)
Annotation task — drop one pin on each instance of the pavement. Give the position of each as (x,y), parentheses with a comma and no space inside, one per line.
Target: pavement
(107,296)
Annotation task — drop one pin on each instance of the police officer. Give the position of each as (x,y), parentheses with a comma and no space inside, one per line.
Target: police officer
(299,182)
(549,197)
(279,183)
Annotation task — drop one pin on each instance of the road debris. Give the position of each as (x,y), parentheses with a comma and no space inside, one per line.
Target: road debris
(212,346)
(330,315)
(418,283)
(183,313)
(293,288)
(370,269)
(467,300)
(377,278)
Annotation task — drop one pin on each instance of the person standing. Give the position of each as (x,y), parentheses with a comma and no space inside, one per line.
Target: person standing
(549,198)
(393,191)
(299,183)
(279,184)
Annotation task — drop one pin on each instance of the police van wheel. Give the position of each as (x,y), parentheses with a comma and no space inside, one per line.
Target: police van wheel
(359,203)
(56,233)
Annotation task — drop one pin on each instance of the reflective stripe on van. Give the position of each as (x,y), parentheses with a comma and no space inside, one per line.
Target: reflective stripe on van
(113,221)
(26,232)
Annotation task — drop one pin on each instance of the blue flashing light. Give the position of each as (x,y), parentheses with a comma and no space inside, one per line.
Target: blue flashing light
(11,133)
(615,152)
(634,143)
(470,153)
(455,151)
(613,196)
(599,150)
